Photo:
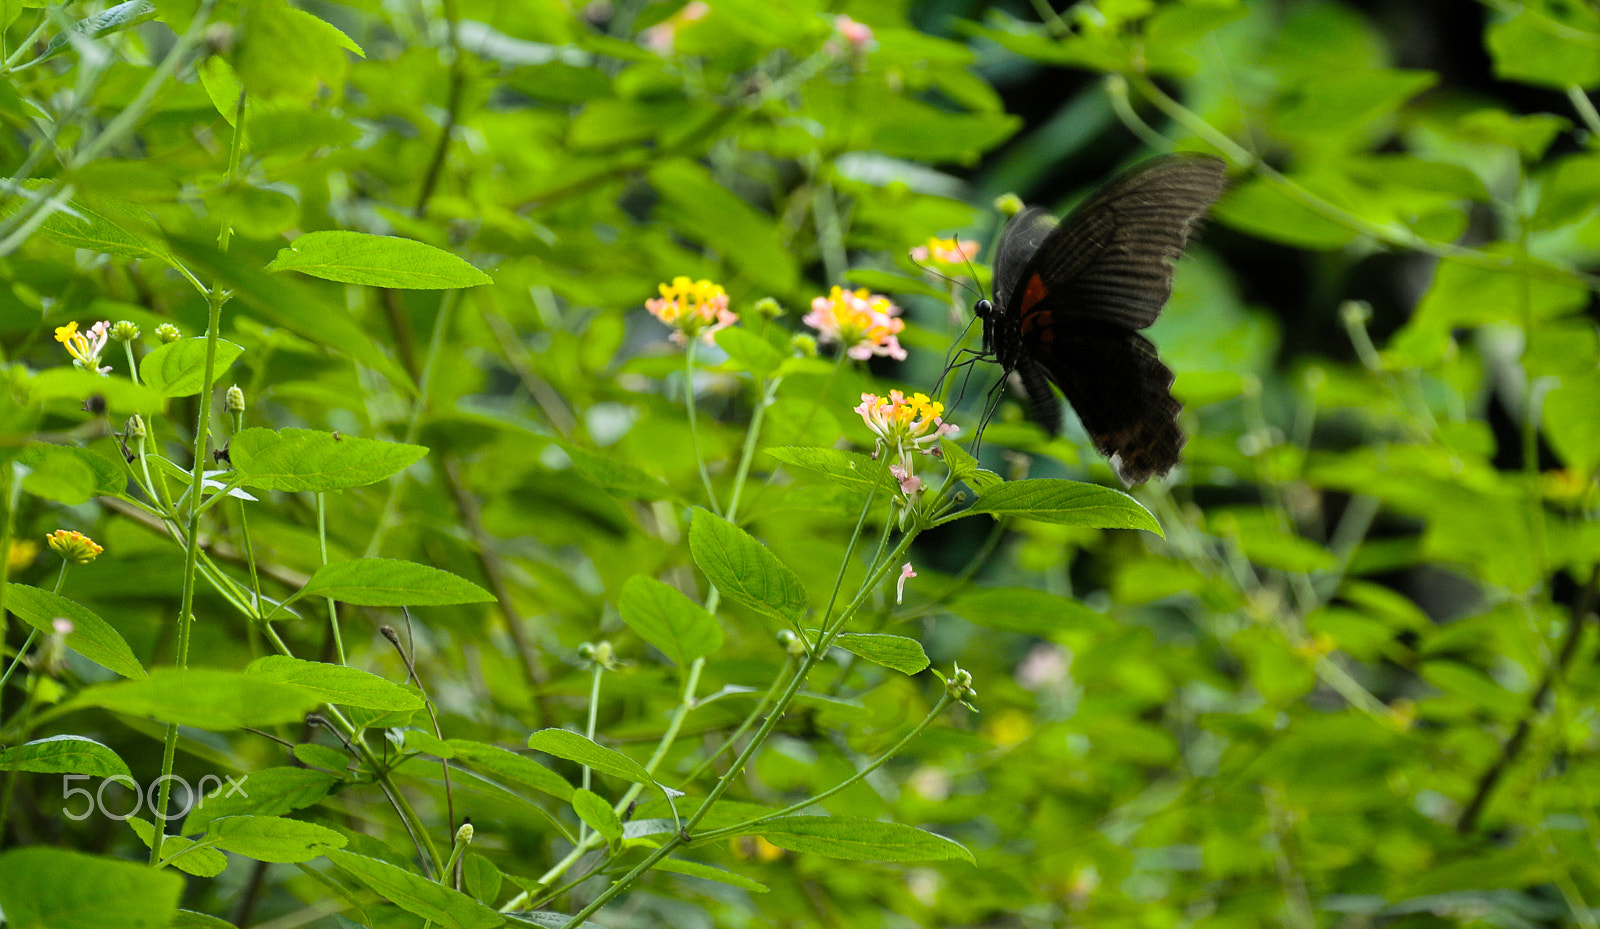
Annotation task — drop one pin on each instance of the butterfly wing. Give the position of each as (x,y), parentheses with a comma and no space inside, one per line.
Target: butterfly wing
(1112,258)
(1122,393)
(1019,242)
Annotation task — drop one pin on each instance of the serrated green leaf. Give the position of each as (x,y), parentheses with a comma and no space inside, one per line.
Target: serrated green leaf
(64,754)
(316,461)
(272,838)
(858,839)
(664,617)
(386,582)
(840,466)
(1066,503)
(91,636)
(744,570)
(416,894)
(102,224)
(965,467)
(507,765)
(336,683)
(598,814)
(894,652)
(564,743)
(377,261)
(177,369)
(53,888)
(201,861)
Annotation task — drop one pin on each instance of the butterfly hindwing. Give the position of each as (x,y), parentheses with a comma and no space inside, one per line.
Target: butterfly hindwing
(1122,393)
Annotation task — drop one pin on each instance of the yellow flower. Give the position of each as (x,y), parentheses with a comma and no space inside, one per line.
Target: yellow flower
(692,308)
(73,546)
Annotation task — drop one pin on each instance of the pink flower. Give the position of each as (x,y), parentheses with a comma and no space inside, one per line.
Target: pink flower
(859,35)
(900,586)
(662,38)
(905,426)
(692,308)
(866,324)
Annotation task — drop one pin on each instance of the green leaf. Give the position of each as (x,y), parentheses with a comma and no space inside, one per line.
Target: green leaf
(53,888)
(845,468)
(288,303)
(707,872)
(858,839)
(222,85)
(1571,423)
(177,369)
(482,877)
(336,683)
(965,467)
(205,698)
(285,53)
(564,743)
(102,224)
(664,617)
(268,792)
(599,815)
(1549,44)
(386,582)
(201,862)
(68,474)
(272,838)
(416,894)
(189,919)
(91,636)
(750,351)
(124,15)
(377,261)
(64,754)
(744,570)
(1065,503)
(316,461)
(895,652)
(510,766)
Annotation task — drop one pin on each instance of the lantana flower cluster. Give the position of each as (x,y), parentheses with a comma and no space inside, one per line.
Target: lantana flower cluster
(945,251)
(864,323)
(905,426)
(692,308)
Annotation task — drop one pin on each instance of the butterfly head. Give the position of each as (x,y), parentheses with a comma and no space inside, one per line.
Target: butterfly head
(986,312)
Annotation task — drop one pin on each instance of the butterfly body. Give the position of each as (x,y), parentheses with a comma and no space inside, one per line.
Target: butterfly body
(1070,299)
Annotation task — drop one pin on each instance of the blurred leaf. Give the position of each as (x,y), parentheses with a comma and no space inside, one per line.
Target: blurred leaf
(267,792)
(205,698)
(68,474)
(1550,44)
(597,814)
(709,212)
(54,888)
(285,53)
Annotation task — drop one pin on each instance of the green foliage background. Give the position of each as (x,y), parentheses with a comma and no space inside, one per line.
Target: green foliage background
(1353,684)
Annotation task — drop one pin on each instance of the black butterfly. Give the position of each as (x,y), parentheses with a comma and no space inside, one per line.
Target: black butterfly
(1069,299)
